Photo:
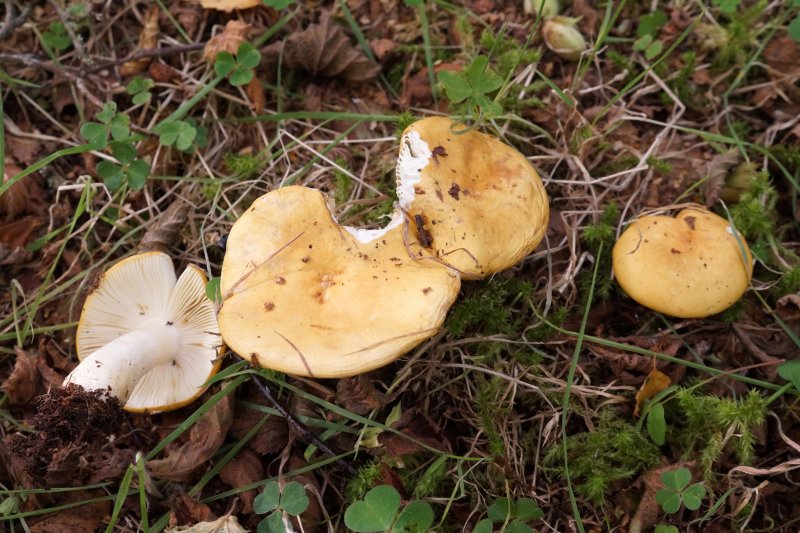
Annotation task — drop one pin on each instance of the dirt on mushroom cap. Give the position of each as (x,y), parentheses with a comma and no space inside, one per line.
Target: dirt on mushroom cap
(301,295)
(690,266)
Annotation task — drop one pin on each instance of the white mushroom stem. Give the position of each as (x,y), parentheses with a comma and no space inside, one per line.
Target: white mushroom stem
(119,365)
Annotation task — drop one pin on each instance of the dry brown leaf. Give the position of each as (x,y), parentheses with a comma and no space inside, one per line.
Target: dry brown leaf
(23,382)
(357,394)
(188,510)
(324,50)
(225,524)
(255,92)
(232,36)
(163,234)
(270,437)
(417,430)
(83,518)
(716,170)
(205,438)
(148,39)
(382,47)
(655,382)
(229,5)
(243,469)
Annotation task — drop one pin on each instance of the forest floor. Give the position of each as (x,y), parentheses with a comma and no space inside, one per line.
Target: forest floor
(549,401)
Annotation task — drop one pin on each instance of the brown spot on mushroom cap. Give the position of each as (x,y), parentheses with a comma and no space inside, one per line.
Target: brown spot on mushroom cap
(333,310)
(505,213)
(689,266)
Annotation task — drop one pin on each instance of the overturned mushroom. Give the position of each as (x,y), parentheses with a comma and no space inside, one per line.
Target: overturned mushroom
(303,295)
(148,339)
(690,266)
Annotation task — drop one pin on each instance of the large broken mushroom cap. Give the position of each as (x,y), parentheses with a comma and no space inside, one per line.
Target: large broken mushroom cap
(148,339)
(305,296)
(474,203)
(690,266)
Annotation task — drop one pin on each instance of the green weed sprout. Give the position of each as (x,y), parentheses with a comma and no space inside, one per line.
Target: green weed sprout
(511,514)
(139,89)
(238,69)
(56,37)
(471,88)
(380,511)
(647,31)
(127,169)
(679,491)
(292,501)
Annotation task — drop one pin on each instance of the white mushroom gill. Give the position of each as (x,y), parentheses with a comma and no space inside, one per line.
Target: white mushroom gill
(414,156)
(147,338)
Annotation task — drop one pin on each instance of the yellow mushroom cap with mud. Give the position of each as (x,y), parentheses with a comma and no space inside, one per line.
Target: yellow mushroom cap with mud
(305,296)
(689,266)
(146,337)
(473,203)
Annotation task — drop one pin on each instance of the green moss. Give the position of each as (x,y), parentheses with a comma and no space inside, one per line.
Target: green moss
(614,451)
(404,120)
(492,410)
(243,166)
(713,424)
(754,215)
(487,307)
(367,477)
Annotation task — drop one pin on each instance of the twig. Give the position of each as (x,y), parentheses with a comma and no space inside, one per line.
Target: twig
(12,23)
(147,52)
(299,427)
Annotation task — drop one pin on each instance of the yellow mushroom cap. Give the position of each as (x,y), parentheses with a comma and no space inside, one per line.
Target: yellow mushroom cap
(473,202)
(690,266)
(305,296)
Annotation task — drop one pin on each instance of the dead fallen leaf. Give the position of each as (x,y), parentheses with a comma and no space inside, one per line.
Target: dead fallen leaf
(83,518)
(188,510)
(417,430)
(716,170)
(229,5)
(243,469)
(313,517)
(205,438)
(21,385)
(255,92)
(357,394)
(324,50)
(648,511)
(273,434)
(163,233)
(234,34)
(162,73)
(655,382)
(225,524)
(382,47)
(23,150)
(147,39)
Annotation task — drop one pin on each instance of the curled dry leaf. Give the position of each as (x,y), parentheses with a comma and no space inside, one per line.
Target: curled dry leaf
(229,5)
(255,92)
(232,36)
(323,49)
(205,438)
(225,524)
(655,382)
(357,394)
(164,232)
(21,385)
(147,39)
(716,170)
(243,469)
